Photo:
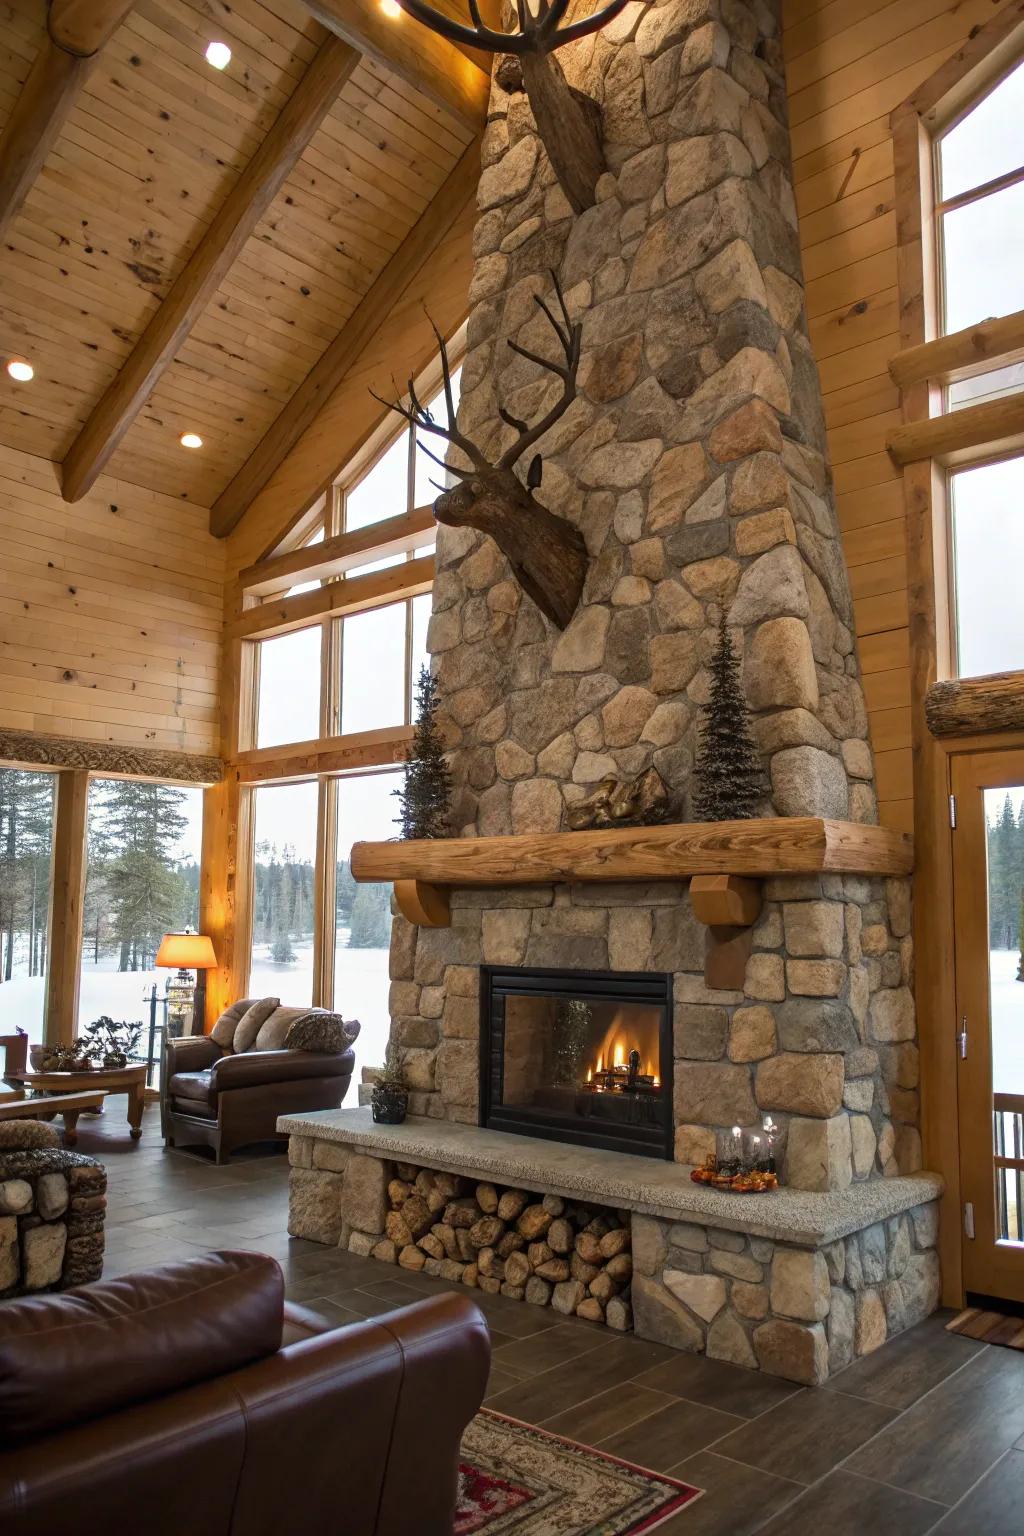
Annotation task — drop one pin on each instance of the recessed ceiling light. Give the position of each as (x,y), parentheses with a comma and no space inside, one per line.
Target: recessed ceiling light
(21,370)
(190,440)
(391,8)
(219,55)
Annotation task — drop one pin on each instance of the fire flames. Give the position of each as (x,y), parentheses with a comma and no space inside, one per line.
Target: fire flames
(630,1030)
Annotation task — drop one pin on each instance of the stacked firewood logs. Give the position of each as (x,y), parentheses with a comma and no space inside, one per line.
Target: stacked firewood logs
(544,1250)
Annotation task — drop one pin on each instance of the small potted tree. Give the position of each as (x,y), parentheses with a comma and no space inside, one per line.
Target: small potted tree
(390,1099)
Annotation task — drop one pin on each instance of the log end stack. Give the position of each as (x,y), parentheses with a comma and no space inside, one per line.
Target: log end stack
(545,1250)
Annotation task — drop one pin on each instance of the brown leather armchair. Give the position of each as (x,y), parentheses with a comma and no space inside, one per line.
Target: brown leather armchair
(164,1402)
(213,1098)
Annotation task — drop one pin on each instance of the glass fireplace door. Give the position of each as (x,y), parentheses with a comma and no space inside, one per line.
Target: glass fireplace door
(578,1057)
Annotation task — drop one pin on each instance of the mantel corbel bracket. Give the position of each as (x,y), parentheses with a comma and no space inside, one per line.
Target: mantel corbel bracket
(729,905)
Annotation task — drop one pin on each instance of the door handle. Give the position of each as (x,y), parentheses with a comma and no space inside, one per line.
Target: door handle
(961,1039)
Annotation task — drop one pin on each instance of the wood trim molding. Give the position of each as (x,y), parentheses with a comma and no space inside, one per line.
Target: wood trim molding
(326,375)
(316,562)
(105,757)
(961,354)
(955,84)
(350,594)
(222,244)
(976,706)
(76,32)
(993,426)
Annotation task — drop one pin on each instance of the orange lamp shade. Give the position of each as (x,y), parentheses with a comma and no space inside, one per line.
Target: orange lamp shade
(187,952)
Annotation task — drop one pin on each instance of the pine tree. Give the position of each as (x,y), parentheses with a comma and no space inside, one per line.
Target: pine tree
(426,792)
(370,923)
(729,779)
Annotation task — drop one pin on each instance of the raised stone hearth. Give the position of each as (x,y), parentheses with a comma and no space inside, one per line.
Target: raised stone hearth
(796,1284)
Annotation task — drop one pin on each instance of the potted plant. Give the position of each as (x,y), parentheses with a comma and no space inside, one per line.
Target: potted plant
(390,1100)
(115,1042)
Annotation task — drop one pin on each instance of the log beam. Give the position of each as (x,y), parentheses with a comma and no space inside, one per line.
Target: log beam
(428,63)
(976,706)
(333,557)
(962,354)
(326,375)
(220,247)
(995,425)
(76,31)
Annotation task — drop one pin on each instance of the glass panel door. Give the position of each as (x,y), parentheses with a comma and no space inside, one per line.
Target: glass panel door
(988,861)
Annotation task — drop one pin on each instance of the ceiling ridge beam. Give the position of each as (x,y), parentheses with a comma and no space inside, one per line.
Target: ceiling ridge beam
(325,376)
(207,267)
(75,35)
(454,79)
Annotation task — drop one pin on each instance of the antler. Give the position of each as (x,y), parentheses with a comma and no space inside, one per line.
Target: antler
(538,33)
(420,418)
(570,338)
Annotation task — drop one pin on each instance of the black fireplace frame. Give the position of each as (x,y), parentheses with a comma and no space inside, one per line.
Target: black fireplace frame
(499,981)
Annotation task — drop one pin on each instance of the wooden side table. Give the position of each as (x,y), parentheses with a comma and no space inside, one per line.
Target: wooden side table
(130,1080)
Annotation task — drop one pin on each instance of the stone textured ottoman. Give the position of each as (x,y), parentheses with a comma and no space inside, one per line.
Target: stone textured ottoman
(52,1207)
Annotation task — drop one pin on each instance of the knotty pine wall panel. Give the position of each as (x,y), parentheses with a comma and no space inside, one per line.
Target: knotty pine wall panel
(111,612)
(848,64)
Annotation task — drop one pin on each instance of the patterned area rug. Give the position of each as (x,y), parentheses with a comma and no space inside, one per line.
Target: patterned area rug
(515,1480)
(989,1327)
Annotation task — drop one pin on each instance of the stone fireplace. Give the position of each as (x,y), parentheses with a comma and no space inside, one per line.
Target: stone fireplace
(692,463)
(583,1057)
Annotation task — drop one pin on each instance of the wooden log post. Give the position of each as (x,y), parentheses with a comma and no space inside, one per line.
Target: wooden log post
(67,897)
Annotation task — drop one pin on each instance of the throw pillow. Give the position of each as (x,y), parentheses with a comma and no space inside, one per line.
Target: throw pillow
(223,1032)
(322,1031)
(274,1032)
(248,1026)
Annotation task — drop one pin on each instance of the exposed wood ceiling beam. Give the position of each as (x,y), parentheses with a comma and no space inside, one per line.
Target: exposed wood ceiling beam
(220,247)
(425,61)
(76,31)
(325,376)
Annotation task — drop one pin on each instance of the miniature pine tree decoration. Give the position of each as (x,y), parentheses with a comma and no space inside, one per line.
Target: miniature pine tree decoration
(426,792)
(729,779)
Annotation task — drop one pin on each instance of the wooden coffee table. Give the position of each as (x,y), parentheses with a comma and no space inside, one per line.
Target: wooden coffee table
(129,1080)
(16,1106)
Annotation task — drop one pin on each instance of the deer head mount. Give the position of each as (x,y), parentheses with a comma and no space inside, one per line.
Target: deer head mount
(547,554)
(568,121)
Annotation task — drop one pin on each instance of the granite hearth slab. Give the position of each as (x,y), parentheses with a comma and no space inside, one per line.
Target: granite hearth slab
(619,1179)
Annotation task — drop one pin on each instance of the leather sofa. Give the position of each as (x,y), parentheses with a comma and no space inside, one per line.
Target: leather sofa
(189,1398)
(222,1099)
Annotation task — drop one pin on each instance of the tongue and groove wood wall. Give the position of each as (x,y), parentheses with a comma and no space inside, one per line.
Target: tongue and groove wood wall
(848,64)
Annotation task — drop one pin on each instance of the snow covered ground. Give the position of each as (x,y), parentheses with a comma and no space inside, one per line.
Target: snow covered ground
(361,992)
(1007,1022)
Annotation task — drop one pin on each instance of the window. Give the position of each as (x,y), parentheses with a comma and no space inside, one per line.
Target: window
(400,478)
(980,183)
(142,881)
(988,555)
(284,891)
(288,693)
(27,804)
(362,932)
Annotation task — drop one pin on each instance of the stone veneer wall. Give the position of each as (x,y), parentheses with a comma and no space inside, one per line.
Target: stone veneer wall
(794,1310)
(52,1208)
(692,462)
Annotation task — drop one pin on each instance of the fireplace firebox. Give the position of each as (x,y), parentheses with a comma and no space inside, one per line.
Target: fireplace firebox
(578,1056)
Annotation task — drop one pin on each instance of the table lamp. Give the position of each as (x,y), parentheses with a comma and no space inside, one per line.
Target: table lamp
(186,952)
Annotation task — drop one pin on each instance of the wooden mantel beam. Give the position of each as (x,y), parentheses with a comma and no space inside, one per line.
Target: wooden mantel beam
(423,60)
(220,247)
(323,379)
(76,31)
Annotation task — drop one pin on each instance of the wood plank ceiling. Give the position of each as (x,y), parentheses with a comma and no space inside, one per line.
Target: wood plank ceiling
(145,160)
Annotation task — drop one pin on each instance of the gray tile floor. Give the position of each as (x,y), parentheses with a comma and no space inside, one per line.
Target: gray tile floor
(925,1436)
